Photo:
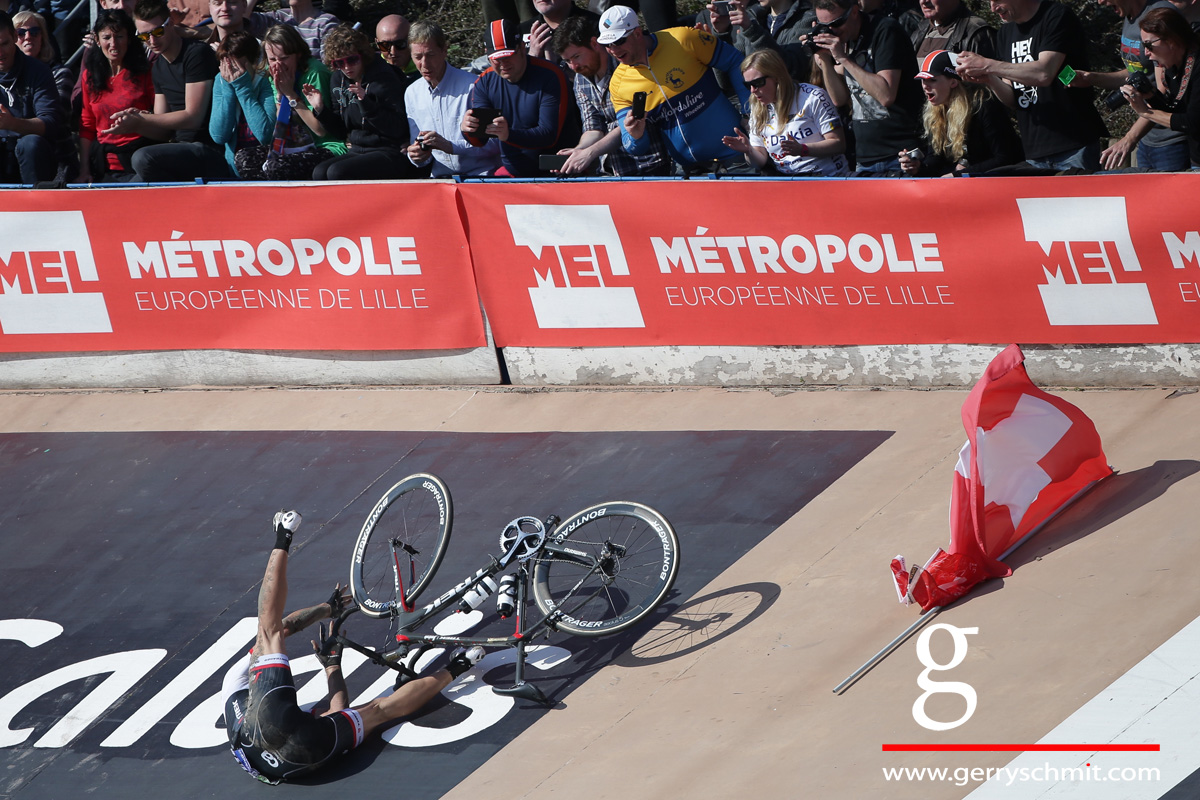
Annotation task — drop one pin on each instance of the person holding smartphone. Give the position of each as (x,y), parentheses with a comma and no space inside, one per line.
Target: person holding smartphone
(600,145)
(675,68)
(794,127)
(523,101)
(967,130)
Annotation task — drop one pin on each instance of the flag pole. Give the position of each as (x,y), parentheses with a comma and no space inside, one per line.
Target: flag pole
(892,645)
(928,616)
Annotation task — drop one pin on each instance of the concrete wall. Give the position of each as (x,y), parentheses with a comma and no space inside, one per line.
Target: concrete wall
(247,368)
(895,365)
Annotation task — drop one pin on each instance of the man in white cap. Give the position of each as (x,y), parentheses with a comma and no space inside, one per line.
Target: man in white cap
(674,69)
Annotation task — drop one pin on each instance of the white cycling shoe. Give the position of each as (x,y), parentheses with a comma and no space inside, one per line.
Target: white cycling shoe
(287,520)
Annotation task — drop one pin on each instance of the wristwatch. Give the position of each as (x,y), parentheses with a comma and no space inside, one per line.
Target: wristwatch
(292,102)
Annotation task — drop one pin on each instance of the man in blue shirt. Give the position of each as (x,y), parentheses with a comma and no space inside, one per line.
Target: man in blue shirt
(537,113)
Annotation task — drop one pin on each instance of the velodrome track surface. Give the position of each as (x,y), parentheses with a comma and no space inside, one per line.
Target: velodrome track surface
(138,522)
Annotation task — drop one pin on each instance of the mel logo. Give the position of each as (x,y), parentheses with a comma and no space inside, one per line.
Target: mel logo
(569,305)
(1085,290)
(45,265)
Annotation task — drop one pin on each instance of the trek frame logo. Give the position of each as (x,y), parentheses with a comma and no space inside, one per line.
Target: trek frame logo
(1086,290)
(46,264)
(569,305)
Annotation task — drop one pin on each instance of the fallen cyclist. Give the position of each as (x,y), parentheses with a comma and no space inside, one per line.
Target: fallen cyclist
(269,734)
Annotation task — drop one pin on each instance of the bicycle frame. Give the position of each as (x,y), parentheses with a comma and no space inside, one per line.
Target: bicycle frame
(408,621)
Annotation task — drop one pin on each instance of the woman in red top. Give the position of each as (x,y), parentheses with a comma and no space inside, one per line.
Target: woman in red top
(116,76)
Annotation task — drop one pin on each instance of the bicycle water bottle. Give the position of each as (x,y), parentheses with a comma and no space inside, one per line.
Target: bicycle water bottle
(477,595)
(506,598)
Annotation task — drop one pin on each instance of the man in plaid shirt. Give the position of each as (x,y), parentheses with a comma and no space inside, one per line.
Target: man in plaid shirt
(600,145)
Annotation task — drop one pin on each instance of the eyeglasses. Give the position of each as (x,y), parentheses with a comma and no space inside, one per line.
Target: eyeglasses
(618,42)
(1152,43)
(757,83)
(394,44)
(155,32)
(31,31)
(351,60)
(836,23)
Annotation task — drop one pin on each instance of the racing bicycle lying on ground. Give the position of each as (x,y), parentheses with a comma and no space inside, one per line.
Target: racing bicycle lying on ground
(600,571)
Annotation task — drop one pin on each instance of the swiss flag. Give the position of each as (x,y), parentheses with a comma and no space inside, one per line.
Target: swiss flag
(1028,455)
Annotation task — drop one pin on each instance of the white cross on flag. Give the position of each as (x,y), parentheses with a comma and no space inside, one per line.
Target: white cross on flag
(1028,455)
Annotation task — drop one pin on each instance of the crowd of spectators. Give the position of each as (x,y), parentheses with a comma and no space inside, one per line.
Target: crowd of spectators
(877,88)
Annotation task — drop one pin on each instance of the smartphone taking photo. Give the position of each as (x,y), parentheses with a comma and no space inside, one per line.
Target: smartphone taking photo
(485,117)
(639,105)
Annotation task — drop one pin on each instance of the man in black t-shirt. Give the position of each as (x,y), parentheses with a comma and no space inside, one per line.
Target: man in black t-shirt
(869,64)
(183,76)
(1060,127)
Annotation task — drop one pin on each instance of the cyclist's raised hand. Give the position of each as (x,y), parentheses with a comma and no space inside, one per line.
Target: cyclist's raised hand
(338,601)
(327,648)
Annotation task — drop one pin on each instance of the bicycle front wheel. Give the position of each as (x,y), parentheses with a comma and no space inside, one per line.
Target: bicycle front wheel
(401,545)
(606,568)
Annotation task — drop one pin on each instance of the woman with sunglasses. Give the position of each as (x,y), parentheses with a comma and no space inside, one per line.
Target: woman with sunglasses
(967,130)
(243,107)
(35,42)
(367,112)
(116,76)
(299,142)
(794,127)
(1172,46)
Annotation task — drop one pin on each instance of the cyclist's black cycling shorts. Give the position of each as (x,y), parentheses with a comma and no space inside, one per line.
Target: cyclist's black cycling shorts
(272,737)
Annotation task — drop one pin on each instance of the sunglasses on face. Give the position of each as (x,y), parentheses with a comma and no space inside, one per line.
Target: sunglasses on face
(756,83)
(31,31)
(155,32)
(347,62)
(840,21)
(1151,44)
(394,44)
(618,42)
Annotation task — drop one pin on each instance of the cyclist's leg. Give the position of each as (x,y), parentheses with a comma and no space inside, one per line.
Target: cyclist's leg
(408,699)
(414,694)
(272,595)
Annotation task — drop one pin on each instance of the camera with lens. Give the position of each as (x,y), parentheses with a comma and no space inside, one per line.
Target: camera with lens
(1141,83)
(817,29)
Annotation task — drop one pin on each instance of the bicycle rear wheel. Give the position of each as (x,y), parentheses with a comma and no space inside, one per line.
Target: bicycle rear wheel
(401,545)
(615,562)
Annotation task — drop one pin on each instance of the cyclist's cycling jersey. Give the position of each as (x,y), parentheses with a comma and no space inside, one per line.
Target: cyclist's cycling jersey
(270,736)
(683,99)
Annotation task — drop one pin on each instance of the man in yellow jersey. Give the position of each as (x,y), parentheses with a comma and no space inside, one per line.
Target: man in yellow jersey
(674,68)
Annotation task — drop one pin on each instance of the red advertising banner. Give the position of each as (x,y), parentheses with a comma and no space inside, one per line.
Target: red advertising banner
(363,267)
(1095,259)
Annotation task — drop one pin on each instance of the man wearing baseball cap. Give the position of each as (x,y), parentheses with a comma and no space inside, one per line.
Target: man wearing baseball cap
(674,69)
(535,106)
